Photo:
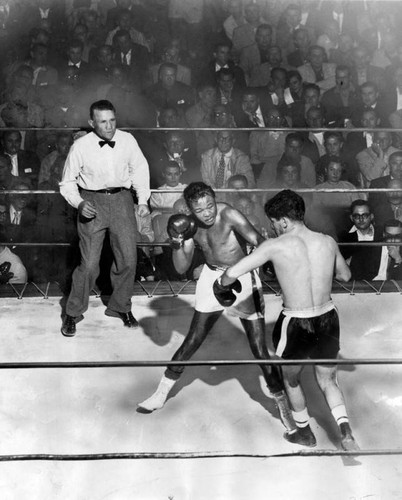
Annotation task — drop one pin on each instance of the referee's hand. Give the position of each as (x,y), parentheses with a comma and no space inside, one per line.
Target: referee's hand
(87,210)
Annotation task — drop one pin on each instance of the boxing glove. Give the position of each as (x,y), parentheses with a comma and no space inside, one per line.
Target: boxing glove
(5,274)
(180,227)
(224,293)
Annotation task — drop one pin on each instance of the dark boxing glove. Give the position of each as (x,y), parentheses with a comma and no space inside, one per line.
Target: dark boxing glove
(180,227)
(5,274)
(224,293)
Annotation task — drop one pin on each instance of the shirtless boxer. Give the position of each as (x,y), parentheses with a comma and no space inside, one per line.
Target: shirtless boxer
(223,234)
(308,326)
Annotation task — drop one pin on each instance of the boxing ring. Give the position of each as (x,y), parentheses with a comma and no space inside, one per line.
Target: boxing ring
(70,428)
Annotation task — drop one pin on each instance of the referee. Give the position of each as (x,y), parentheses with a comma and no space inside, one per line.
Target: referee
(99,172)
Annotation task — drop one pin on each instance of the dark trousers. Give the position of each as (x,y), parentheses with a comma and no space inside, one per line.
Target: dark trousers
(115,213)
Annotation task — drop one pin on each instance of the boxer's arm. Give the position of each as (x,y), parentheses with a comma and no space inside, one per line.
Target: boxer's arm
(183,256)
(242,226)
(342,270)
(252,261)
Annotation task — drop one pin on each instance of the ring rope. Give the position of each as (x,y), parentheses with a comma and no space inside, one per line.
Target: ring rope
(216,362)
(193,455)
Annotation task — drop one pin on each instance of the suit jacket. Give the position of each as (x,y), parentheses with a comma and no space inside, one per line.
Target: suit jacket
(374,74)
(308,75)
(28,166)
(237,70)
(365,261)
(336,112)
(239,163)
(180,96)
(378,199)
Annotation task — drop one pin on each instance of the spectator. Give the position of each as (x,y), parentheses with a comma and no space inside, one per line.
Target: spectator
(392,208)
(235,19)
(168,92)
(222,61)
(244,35)
(395,172)
(338,100)
(221,162)
(301,42)
(358,141)
(266,148)
(254,58)
(293,155)
(24,163)
(164,202)
(171,54)
(373,161)
(335,146)
(362,71)
(393,234)
(370,99)
(316,70)
(252,109)
(5,172)
(336,204)
(364,262)
(132,55)
(314,143)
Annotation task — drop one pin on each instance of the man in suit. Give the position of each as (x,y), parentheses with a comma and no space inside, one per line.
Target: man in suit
(220,163)
(132,55)
(244,34)
(73,58)
(24,163)
(362,71)
(395,172)
(392,208)
(364,262)
(222,60)
(254,59)
(252,109)
(370,98)
(168,92)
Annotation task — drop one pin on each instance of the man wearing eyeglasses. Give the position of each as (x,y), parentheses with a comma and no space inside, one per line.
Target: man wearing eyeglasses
(364,261)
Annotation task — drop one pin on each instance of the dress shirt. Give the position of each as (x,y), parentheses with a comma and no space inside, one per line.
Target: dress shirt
(219,67)
(126,58)
(399,97)
(14,164)
(77,65)
(15,216)
(339,19)
(88,166)
(44,13)
(165,201)
(258,115)
(369,138)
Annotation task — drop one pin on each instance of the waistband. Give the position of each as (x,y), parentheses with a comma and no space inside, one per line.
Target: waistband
(217,268)
(105,191)
(310,312)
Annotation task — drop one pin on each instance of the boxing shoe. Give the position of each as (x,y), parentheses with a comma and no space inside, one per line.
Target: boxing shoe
(69,325)
(302,435)
(127,318)
(348,442)
(158,398)
(285,413)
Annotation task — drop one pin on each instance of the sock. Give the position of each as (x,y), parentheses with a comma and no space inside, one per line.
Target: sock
(340,415)
(301,418)
(158,398)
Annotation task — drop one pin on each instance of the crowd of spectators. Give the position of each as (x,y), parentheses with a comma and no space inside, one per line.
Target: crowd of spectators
(205,64)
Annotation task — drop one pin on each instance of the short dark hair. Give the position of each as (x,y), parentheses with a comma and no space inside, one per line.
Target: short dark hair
(360,203)
(294,72)
(286,203)
(293,136)
(102,105)
(331,133)
(311,86)
(196,190)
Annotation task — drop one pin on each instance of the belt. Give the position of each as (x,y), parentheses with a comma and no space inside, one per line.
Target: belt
(105,191)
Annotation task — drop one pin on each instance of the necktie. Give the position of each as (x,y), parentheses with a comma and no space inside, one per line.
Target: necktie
(256,119)
(109,143)
(220,174)
(16,218)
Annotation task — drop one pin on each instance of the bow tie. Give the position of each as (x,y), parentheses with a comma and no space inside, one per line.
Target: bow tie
(109,143)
